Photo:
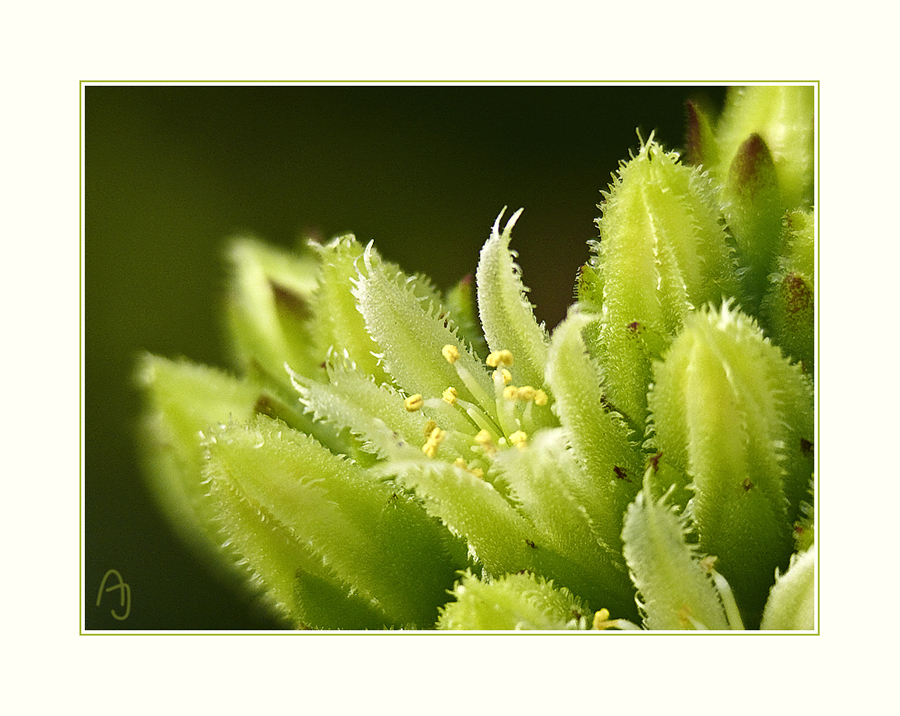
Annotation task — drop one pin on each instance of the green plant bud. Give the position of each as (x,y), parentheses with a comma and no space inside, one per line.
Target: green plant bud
(753,210)
(662,254)
(600,439)
(506,315)
(339,325)
(513,602)
(182,401)
(789,311)
(734,415)
(675,588)
(375,540)
(784,117)
(498,536)
(270,307)
(570,520)
(702,148)
(792,601)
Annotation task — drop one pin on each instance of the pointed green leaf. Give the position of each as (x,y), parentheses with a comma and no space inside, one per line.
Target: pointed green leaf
(733,414)
(411,332)
(270,309)
(675,588)
(792,601)
(182,402)
(702,148)
(513,602)
(784,116)
(663,253)
(600,439)
(506,315)
(289,575)
(552,491)
(753,210)
(497,535)
(340,327)
(372,537)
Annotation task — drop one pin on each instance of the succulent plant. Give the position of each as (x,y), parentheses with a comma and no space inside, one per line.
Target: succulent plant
(390,455)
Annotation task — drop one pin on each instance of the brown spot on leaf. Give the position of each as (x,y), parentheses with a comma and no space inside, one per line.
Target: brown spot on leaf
(796,294)
(621,474)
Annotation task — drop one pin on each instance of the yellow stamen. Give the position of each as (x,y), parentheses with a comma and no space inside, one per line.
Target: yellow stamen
(499,358)
(601,619)
(450,352)
(505,375)
(430,447)
(429,427)
(450,395)
(483,437)
(511,392)
(540,397)
(414,402)
(526,392)
(519,439)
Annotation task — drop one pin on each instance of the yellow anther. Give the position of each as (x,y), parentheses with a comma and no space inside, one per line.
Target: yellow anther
(429,427)
(505,375)
(483,437)
(511,392)
(478,472)
(499,358)
(450,352)
(486,442)
(519,439)
(450,395)
(526,392)
(430,447)
(414,402)
(601,619)
(460,463)
(540,397)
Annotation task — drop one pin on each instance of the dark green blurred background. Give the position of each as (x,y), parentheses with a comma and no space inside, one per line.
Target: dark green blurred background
(171,172)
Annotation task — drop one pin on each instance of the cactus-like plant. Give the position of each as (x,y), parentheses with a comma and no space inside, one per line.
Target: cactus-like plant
(395,456)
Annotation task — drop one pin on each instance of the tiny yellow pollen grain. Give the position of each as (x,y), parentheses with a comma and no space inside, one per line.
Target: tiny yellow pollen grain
(540,397)
(450,353)
(450,395)
(414,402)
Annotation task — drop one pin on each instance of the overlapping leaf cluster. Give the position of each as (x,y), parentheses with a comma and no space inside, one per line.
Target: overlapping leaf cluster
(392,456)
